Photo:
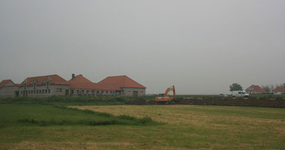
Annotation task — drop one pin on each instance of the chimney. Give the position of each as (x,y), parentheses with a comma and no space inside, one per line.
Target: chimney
(73,76)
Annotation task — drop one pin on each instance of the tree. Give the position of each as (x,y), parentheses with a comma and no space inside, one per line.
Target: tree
(272,88)
(267,88)
(235,87)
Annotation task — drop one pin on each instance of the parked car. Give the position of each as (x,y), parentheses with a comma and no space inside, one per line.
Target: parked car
(239,94)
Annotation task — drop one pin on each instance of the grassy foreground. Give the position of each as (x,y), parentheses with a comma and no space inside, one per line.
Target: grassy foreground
(183,127)
(205,127)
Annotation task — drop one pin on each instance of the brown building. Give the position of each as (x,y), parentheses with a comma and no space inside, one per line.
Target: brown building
(44,86)
(279,90)
(125,85)
(49,85)
(110,86)
(255,89)
(81,86)
(9,89)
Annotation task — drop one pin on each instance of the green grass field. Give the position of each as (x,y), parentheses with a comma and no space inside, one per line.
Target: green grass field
(47,115)
(35,126)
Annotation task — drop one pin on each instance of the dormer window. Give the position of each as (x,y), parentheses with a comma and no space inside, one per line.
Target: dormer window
(35,83)
(47,82)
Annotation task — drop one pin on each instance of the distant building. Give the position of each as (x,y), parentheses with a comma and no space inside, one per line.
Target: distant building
(255,89)
(44,86)
(125,85)
(81,86)
(8,88)
(49,85)
(279,90)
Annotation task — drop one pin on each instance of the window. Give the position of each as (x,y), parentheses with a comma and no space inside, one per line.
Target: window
(45,90)
(72,91)
(48,90)
(58,90)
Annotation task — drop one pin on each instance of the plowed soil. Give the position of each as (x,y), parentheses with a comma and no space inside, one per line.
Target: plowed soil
(228,101)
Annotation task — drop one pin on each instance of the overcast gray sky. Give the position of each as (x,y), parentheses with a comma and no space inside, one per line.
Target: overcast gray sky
(200,46)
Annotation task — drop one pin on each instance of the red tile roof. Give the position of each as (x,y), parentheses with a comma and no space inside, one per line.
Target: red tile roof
(41,80)
(255,88)
(4,82)
(82,83)
(122,82)
(79,79)
(113,83)
(279,89)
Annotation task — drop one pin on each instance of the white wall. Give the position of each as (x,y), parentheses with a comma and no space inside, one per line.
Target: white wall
(130,91)
(8,91)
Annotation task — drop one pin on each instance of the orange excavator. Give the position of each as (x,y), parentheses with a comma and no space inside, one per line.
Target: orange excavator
(165,98)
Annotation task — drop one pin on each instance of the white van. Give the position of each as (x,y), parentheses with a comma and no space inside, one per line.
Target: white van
(239,94)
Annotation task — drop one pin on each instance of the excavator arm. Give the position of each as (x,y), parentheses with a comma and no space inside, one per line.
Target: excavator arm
(172,88)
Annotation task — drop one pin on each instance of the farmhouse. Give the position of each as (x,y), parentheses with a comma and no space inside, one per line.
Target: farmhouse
(44,86)
(81,86)
(110,86)
(255,89)
(49,85)
(279,90)
(125,85)
(8,88)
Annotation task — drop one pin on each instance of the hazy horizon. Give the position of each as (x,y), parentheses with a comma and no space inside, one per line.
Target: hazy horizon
(201,47)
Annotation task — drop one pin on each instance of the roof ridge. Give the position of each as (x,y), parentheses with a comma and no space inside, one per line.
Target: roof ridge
(78,77)
(44,76)
(4,82)
(7,80)
(117,76)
